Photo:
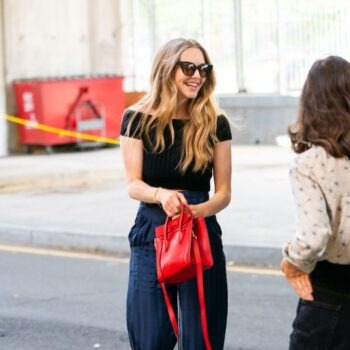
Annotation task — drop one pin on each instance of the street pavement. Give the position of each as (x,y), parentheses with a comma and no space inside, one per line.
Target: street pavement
(78,200)
(67,301)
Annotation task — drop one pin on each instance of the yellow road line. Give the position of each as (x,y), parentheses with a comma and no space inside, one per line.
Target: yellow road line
(254,270)
(60,132)
(60,253)
(90,256)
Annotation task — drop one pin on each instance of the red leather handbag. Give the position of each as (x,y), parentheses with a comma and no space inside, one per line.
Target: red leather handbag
(183,252)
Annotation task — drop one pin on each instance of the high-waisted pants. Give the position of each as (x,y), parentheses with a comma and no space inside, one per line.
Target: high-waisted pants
(324,323)
(148,322)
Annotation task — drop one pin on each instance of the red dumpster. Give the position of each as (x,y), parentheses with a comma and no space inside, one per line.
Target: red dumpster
(89,105)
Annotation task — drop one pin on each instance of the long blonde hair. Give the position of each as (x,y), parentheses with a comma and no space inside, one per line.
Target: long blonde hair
(159,105)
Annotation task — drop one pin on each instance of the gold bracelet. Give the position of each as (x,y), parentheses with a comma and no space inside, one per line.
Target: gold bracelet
(155,195)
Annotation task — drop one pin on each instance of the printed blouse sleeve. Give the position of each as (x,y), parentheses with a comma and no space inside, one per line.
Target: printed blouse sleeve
(128,118)
(314,227)
(223,130)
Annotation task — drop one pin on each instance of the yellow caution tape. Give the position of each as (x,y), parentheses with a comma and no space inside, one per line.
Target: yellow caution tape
(60,132)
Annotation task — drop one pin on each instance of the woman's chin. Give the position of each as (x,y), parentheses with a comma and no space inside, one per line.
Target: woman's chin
(192,95)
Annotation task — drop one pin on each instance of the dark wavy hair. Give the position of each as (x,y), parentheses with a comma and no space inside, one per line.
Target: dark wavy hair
(324,109)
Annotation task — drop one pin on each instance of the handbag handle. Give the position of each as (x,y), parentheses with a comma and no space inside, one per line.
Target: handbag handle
(168,218)
(201,298)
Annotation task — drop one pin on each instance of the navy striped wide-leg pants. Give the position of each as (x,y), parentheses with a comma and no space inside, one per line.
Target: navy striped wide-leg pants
(148,322)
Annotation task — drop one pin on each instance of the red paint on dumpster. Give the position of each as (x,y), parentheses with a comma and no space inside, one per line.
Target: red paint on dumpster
(89,105)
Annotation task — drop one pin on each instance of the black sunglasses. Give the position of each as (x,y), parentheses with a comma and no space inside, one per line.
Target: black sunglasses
(189,68)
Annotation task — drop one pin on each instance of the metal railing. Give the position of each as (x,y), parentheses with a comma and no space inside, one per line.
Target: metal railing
(279,38)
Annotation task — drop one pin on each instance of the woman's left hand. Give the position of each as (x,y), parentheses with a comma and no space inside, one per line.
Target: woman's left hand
(298,279)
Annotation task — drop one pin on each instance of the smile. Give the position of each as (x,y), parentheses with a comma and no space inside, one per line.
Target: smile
(193,85)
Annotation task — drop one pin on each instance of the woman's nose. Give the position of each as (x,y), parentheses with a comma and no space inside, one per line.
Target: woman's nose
(196,74)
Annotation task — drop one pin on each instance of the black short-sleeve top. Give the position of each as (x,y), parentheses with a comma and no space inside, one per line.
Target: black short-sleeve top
(160,169)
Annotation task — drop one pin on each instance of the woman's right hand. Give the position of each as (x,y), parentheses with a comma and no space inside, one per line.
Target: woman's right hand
(171,201)
(298,279)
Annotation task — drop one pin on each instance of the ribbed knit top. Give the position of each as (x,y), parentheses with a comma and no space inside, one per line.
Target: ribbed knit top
(160,169)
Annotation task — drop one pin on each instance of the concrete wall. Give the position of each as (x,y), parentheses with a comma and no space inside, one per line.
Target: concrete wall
(3,124)
(49,38)
(259,118)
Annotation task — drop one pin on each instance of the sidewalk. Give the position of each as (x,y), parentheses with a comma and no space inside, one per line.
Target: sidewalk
(79,201)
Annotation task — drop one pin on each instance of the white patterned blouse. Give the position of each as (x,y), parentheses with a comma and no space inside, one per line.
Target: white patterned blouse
(321,187)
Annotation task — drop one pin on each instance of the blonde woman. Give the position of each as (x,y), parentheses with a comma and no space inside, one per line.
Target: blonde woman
(172,142)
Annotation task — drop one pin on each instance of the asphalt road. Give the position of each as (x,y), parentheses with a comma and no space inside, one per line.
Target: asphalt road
(68,302)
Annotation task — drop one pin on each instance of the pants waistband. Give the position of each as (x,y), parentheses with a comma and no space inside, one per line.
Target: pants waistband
(334,277)
(193,197)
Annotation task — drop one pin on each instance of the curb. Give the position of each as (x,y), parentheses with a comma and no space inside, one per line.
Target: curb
(253,256)
(118,245)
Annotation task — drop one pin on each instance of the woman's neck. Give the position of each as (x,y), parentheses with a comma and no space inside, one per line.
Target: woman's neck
(181,111)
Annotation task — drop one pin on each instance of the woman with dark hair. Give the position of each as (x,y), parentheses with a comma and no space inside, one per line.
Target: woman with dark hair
(317,261)
(173,141)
